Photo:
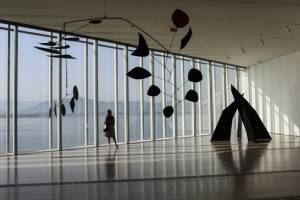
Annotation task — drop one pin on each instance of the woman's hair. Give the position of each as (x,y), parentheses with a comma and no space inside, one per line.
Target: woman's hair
(109,111)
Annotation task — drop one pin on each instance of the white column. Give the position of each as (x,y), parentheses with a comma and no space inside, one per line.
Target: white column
(8,93)
(126,96)
(142,103)
(58,103)
(163,93)
(182,95)
(116,91)
(225,84)
(96,124)
(15,94)
(152,105)
(200,102)
(238,119)
(194,105)
(86,89)
(211,97)
(174,100)
(50,103)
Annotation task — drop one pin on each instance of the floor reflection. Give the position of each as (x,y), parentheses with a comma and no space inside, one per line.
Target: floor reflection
(240,158)
(110,164)
(186,168)
(188,157)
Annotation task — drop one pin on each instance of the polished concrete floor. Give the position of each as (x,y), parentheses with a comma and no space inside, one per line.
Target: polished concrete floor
(189,168)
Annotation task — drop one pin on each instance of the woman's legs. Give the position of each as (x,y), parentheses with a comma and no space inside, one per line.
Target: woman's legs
(114,138)
(108,140)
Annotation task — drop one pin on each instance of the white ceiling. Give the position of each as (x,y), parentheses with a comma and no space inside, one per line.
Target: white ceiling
(220,27)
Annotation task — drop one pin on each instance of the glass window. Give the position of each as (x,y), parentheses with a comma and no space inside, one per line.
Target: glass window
(169,93)
(91,97)
(54,97)
(73,75)
(33,102)
(244,87)
(198,104)
(134,100)
(188,105)
(180,96)
(33,93)
(218,70)
(147,83)
(158,100)
(106,95)
(121,80)
(232,80)
(204,67)
(12,49)
(3,88)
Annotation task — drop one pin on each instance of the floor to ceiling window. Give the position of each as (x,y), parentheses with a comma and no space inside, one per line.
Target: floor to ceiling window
(73,75)
(231,80)
(188,105)
(219,96)
(158,105)
(169,84)
(3,87)
(54,86)
(121,98)
(134,100)
(146,109)
(106,84)
(33,99)
(198,104)
(37,131)
(90,99)
(180,96)
(242,81)
(204,101)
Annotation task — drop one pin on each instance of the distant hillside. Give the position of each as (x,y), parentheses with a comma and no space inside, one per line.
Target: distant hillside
(41,109)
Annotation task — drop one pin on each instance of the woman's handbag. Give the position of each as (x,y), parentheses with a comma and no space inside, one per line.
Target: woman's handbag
(105,128)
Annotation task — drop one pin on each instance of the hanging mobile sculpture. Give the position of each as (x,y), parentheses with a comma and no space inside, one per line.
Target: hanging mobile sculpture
(180,20)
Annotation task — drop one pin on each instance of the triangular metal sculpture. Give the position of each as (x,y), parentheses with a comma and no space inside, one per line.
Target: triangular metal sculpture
(256,131)
(223,128)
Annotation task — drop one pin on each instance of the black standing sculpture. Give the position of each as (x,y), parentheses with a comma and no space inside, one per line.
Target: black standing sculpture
(223,128)
(256,131)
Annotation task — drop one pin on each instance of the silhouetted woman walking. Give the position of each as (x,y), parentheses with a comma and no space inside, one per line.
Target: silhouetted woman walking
(109,127)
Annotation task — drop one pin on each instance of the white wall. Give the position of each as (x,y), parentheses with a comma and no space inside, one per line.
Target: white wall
(274,90)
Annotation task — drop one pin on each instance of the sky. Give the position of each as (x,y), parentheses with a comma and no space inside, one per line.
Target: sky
(33,69)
